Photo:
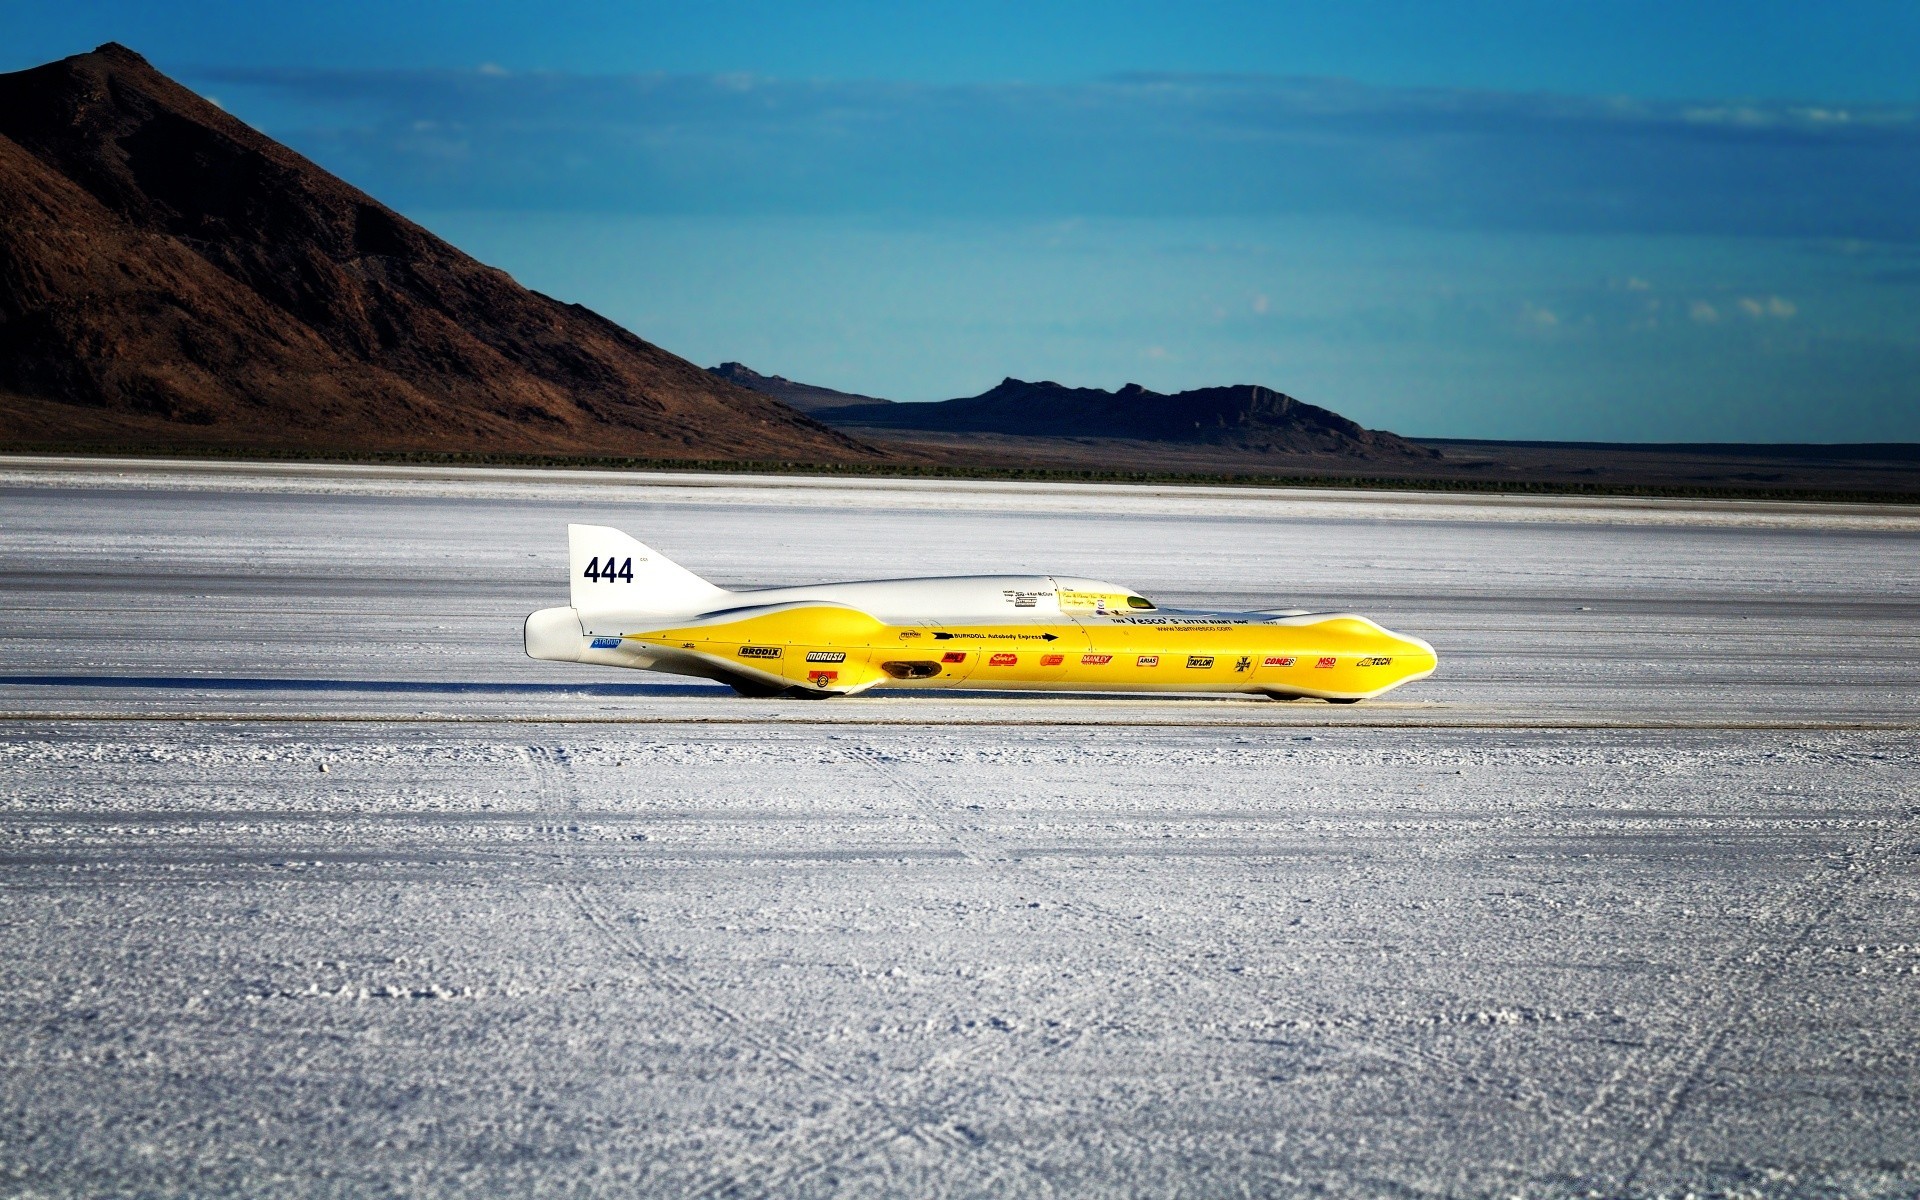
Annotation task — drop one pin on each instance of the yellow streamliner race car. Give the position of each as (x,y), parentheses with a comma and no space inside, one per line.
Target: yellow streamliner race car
(631,607)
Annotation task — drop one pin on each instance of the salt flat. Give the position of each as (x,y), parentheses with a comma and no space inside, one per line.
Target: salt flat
(314,884)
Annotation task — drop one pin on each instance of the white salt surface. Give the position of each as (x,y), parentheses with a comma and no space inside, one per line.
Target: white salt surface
(315,885)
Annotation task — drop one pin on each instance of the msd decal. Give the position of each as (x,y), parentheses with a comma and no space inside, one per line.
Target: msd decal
(1003,660)
(1277,660)
(1052,660)
(1095,660)
(1325,662)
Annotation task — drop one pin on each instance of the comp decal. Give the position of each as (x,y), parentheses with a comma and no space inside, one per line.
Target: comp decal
(1278,660)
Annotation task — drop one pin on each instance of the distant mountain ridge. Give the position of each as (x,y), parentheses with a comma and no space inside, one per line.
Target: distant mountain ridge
(1244,415)
(171,277)
(804,396)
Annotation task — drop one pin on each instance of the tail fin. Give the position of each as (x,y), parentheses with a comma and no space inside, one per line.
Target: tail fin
(613,573)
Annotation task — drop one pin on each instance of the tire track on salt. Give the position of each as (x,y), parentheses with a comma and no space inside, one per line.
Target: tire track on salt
(855,1126)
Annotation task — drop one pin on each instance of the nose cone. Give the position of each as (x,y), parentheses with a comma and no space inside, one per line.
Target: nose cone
(1409,658)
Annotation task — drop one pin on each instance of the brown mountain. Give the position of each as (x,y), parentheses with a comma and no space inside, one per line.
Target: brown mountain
(1241,417)
(170,277)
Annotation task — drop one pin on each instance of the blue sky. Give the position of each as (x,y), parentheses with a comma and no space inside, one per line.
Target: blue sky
(1617,221)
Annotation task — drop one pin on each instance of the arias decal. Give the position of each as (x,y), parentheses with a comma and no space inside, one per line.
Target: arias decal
(1278,660)
(1147,660)
(826,656)
(1095,660)
(1003,660)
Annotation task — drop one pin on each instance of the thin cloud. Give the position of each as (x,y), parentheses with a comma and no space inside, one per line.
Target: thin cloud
(1137,145)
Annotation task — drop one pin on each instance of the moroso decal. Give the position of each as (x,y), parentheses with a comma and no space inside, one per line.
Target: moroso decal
(826,656)
(1200,662)
(1095,660)
(1147,660)
(1278,660)
(1242,663)
(759,652)
(1373,662)
(1052,660)
(606,643)
(1325,662)
(953,656)
(1003,660)
(822,678)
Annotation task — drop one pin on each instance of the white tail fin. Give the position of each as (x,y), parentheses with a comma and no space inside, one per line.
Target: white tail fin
(613,573)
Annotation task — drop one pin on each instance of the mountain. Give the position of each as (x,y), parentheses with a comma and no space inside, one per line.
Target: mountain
(803,396)
(170,277)
(1241,417)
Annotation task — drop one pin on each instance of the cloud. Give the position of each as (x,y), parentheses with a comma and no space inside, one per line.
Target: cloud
(1137,145)
(1762,308)
(1703,312)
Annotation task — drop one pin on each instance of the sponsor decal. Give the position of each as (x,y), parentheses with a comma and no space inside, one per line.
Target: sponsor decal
(1325,662)
(1199,662)
(606,643)
(953,656)
(823,678)
(759,652)
(1243,664)
(1052,660)
(1095,660)
(1373,662)
(910,633)
(826,656)
(1147,660)
(1003,660)
(1278,660)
